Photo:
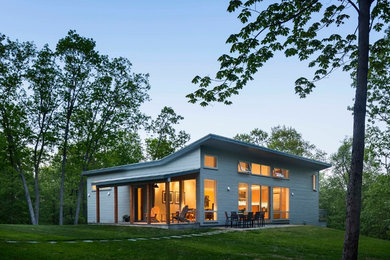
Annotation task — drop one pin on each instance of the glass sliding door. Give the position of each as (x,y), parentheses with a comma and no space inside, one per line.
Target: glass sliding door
(265,201)
(255,204)
(260,199)
(281,203)
(243,197)
(210,200)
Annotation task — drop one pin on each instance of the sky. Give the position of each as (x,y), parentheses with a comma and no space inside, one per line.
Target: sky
(174,41)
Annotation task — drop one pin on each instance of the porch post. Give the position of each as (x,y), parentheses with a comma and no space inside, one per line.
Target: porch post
(97,205)
(131,204)
(148,209)
(116,204)
(167,203)
(181,185)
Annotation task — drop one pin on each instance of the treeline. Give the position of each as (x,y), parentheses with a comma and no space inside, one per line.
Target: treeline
(64,111)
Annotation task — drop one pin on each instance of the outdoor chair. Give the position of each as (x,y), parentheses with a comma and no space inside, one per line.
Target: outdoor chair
(228,220)
(256,219)
(181,217)
(234,219)
(262,218)
(248,220)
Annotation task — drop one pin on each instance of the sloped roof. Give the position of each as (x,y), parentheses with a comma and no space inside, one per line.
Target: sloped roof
(221,142)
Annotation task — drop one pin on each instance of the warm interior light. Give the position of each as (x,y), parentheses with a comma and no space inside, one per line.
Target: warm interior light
(155,186)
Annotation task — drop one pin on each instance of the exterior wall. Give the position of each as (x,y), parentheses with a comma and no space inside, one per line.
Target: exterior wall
(303,200)
(187,161)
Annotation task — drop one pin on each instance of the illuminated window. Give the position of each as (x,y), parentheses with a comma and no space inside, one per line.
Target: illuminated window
(256,168)
(244,167)
(260,199)
(280,173)
(314,182)
(100,189)
(243,197)
(210,200)
(265,170)
(281,203)
(210,161)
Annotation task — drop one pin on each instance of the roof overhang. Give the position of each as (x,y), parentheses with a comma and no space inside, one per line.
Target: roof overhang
(221,143)
(155,177)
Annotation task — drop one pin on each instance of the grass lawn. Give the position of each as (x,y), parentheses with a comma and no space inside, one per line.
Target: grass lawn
(305,242)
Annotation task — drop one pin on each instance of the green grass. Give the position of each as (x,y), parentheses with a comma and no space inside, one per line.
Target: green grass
(80,232)
(304,242)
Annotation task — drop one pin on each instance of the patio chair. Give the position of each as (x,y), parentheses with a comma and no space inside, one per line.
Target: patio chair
(228,219)
(256,219)
(181,217)
(248,220)
(154,213)
(234,218)
(262,218)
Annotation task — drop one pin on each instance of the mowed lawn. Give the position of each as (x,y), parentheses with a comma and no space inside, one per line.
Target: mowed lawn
(303,242)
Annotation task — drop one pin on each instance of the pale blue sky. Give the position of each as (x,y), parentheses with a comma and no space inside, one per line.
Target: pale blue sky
(175,40)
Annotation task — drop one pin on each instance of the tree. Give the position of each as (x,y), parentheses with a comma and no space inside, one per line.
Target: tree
(43,76)
(111,106)
(79,61)
(298,28)
(14,60)
(256,136)
(284,139)
(164,139)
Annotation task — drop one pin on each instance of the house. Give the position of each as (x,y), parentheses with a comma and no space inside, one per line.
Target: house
(210,176)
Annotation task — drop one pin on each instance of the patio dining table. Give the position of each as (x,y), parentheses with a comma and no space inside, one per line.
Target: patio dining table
(244,219)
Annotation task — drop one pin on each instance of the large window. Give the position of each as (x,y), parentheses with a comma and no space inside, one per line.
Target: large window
(260,199)
(210,200)
(281,203)
(280,173)
(259,169)
(243,197)
(210,161)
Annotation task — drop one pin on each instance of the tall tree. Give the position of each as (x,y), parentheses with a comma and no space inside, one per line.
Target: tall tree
(299,28)
(256,136)
(43,76)
(164,139)
(78,71)
(111,106)
(285,139)
(14,60)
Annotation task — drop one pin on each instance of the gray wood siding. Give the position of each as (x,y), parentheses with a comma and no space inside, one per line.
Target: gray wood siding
(303,204)
(187,161)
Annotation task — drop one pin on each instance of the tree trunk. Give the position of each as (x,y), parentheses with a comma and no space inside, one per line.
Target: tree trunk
(64,154)
(353,201)
(36,178)
(28,199)
(79,196)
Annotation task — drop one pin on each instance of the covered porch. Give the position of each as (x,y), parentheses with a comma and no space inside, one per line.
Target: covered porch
(164,199)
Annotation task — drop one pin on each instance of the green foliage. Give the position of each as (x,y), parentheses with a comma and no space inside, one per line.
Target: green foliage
(313,31)
(164,140)
(256,136)
(375,217)
(284,139)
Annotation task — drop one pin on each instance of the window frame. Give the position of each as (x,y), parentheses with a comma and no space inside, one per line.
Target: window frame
(216,162)
(281,212)
(215,211)
(239,169)
(282,169)
(314,179)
